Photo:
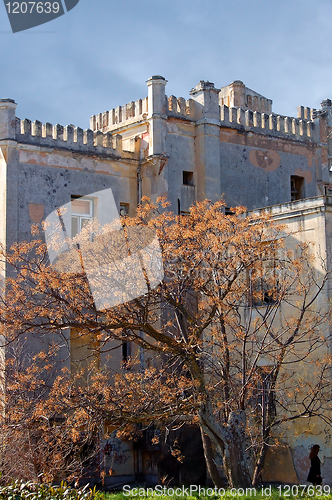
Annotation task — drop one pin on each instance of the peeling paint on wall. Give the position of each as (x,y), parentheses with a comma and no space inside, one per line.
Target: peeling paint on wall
(36,212)
(304,173)
(268,160)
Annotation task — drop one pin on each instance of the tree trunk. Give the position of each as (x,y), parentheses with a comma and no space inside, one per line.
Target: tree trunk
(235,459)
(210,463)
(267,421)
(230,441)
(259,465)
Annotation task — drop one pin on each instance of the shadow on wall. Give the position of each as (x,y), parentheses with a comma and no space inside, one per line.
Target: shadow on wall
(192,469)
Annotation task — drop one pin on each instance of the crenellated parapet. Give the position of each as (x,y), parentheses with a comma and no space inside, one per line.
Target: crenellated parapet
(180,108)
(122,115)
(236,94)
(269,124)
(69,137)
(305,113)
(135,112)
(247,111)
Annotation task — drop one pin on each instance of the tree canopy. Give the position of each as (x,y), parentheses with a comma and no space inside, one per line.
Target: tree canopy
(234,335)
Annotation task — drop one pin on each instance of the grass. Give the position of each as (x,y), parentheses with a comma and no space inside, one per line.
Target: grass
(284,492)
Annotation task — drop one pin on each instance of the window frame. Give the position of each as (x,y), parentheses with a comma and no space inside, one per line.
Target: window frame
(80,216)
(188,177)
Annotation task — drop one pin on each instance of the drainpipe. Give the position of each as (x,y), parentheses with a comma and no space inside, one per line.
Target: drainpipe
(139,183)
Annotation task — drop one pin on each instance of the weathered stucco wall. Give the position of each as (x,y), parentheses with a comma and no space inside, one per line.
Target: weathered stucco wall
(307,220)
(257,178)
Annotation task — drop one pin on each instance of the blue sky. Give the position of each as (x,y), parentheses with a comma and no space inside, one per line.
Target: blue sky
(100,54)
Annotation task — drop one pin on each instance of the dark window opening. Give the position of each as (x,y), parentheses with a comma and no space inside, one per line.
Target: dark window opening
(297,187)
(265,394)
(264,294)
(126,353)
(264,284)
(188,178)
(228,211)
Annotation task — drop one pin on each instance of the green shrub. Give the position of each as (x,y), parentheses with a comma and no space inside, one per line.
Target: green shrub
(20,490)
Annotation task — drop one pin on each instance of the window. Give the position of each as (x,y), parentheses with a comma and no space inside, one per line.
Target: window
(297,187)
(126,353)
(81,214)
(228,211)
(264,294)
(124,209)
(265,395)
(188,178)
(264,284)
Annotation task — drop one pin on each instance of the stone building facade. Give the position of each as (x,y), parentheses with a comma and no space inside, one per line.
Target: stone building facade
(219,142)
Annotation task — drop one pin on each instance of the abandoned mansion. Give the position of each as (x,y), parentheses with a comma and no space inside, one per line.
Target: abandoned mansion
(221,142)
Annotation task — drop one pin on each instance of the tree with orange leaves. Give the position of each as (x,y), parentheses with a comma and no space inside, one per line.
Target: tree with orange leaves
(236,325)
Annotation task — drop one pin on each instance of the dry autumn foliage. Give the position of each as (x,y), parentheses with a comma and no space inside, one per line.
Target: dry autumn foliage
(238,328)
(35,444)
